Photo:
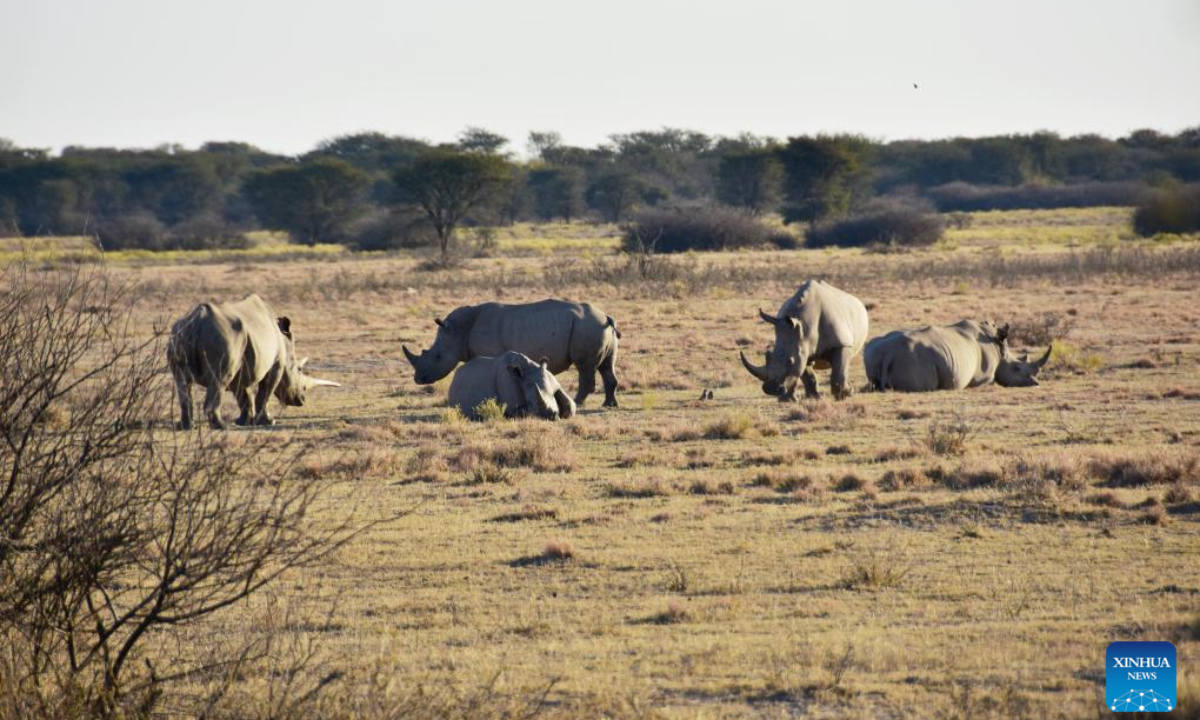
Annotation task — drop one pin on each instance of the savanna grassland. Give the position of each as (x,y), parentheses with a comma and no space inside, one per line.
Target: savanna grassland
(946,555)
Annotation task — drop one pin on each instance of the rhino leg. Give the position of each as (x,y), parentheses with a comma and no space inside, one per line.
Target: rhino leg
(810,384)
(840,364)
(245,401)
(608,373)
(183,388)
(266,387)
(212,404)
(587,382)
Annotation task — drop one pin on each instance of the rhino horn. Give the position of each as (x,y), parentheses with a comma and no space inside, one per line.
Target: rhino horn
(759,372)
(302,363)
(321,382)
(770,319)
(412,357)
(1045,358)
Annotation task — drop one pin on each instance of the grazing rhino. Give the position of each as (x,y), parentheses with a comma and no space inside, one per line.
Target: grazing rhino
(952,357)
(237,346)
(818,327)
(522,386)
(565,333)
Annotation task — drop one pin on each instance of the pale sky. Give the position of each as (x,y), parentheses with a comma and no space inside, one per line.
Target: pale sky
(284,74)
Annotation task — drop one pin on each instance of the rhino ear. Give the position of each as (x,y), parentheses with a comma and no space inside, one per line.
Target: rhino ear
(517,371)
(544,361)
(285,326)
(439,322)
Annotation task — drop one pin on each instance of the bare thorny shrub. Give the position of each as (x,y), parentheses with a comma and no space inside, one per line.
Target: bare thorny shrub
(115,533)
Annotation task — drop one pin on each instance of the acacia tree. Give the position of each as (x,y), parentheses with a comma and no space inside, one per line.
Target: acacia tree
(614,193)
(750,179)
(823,176)
(448,185)
(557,192)
(312,201)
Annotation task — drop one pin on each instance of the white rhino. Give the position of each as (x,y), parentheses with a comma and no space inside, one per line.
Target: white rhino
(522,386)
(952,357)
(818,327)
(565,333)
(241,346)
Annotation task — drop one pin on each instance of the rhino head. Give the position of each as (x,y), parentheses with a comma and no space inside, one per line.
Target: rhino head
(1020,372)
(294,385)
(539,389)
(784,361)
(448,349)
(1011,371)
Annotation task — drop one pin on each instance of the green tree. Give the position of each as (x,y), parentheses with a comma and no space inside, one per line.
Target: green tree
(750,179)
(313,201)
(477,139)
(448,184)
(824,176)
(614,192)
(557,192)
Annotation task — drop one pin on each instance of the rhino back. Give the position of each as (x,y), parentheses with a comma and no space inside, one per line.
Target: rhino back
(540,329)
(261,337)
(840,318)
(929,358)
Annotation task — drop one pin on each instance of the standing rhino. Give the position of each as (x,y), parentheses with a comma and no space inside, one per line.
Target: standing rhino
(952,357)
(565,333)
(818,327)
(522,386)
(237,345)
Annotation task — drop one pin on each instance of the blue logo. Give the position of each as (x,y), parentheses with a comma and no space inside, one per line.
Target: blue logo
(1140,677)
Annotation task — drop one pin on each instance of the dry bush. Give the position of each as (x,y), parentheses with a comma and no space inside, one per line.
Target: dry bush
(739,426)
(699,228)
(849,483)
(1107,498)
(887,224)
(874,572)
(1042,329)
(838,415)
(559,550)
(706,487)
(113,537)
(534,451)
(948,437)
(1178,467)
(1064,473)
(1177,494)
(904,479)
(426,465)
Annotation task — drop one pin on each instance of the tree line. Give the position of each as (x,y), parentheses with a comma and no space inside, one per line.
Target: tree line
(376,191)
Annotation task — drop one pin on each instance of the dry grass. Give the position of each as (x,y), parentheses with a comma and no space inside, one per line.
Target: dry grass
(983,581)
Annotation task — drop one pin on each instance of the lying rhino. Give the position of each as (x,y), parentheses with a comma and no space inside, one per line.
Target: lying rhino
(953,357)
(565,333)
(239,346)
(522,386)
(818,327)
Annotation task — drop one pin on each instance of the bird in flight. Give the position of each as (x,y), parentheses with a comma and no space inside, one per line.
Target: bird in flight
(914,86)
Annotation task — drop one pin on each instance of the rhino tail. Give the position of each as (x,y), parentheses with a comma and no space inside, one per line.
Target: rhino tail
(612,324)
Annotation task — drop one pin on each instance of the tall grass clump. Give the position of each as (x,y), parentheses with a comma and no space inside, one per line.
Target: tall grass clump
(1169,211)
